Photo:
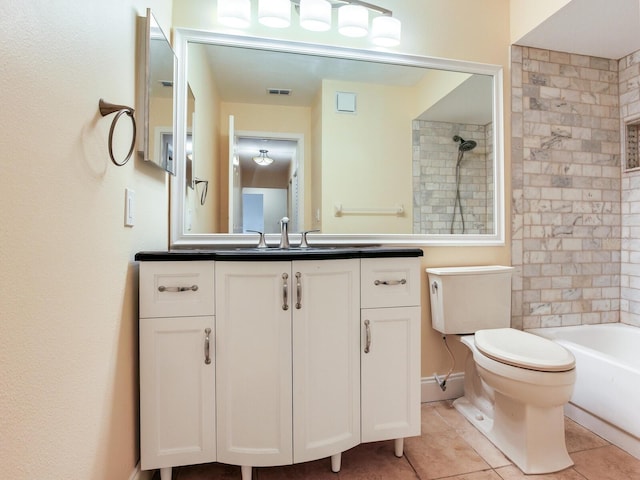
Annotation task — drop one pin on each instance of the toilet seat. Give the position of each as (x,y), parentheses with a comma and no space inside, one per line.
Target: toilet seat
(525,350)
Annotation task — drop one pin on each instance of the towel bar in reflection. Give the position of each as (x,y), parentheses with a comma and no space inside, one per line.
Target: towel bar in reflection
(339,210)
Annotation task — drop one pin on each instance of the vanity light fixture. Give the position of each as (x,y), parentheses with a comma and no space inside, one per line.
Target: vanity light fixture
(262,159)
(316,15)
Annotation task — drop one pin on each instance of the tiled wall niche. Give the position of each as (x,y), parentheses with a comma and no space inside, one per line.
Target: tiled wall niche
(631,158)
(566,189)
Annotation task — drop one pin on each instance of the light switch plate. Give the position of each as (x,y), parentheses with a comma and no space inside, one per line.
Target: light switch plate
(129,207)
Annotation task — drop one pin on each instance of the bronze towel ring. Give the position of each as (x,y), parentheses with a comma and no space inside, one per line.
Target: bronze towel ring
(109,108)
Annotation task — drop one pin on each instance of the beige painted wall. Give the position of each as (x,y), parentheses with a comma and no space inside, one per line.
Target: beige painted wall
(366,157)
(205,218)
(316,162)
(68,307)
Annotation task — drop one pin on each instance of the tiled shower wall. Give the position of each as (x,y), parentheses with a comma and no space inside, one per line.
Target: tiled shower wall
(629,68)
(434,178)
(566,189)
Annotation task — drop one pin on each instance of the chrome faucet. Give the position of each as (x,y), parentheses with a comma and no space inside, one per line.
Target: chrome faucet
(284,232)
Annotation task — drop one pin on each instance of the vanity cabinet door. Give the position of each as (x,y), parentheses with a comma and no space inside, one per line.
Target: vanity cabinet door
(326,357)
(288,360)
(390,373)
(253,363)
(390,357)
(177,391)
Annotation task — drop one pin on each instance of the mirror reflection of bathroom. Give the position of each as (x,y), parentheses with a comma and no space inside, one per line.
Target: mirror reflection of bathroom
(266,183)
(344,163)
(453,183)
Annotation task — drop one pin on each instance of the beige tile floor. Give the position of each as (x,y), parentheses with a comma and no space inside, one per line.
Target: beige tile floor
(449,448)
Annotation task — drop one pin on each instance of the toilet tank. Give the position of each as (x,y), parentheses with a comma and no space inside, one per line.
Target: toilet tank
(467,299)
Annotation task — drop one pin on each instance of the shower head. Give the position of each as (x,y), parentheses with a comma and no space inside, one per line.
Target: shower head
(465,145)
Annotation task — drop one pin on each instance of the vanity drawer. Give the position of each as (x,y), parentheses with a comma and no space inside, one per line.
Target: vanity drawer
(390,282)
(176,289)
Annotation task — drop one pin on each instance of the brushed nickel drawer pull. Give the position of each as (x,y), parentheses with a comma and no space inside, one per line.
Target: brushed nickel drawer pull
(402,281)
(285,292)
(367,330)
(298,291)
(192,288)
(207,343)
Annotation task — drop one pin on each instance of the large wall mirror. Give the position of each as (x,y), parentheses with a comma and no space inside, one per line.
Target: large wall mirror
(367,147)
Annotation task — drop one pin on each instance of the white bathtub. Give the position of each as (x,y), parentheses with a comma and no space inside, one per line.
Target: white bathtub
(607,391)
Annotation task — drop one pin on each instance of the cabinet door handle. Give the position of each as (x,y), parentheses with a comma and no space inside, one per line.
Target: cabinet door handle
(285,292)
(402,281)
(367,332)
(207,345)
(298,291)
(192,288)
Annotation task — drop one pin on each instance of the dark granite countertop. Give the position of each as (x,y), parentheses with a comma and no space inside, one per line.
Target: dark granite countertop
(249,254)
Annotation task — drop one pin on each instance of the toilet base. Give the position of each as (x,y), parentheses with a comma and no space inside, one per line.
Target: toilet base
(517,435)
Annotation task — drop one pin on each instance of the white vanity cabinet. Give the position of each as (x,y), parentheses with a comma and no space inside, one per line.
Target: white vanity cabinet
(177,368)
(391,349)
(278,359)
(287,361)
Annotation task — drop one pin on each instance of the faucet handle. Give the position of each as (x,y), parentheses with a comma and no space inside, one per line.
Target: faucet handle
(261,242)
(303,240)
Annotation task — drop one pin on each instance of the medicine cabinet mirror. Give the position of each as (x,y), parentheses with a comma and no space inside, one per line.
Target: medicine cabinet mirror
(155,108)
(367,147)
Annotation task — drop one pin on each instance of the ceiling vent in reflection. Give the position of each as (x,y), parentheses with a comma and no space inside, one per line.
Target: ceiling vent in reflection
(279,91)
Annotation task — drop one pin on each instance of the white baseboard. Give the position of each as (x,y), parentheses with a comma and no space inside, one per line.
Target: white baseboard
(138,474)
(431,392)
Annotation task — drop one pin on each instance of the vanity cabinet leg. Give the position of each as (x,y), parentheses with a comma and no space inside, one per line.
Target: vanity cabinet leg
(398,445)
(165,473)
(336,462)
(246,472)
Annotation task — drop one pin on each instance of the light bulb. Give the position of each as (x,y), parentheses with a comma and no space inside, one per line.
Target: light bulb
(234,13)
(315,15)
(274,13)
(353,20)
(385,31)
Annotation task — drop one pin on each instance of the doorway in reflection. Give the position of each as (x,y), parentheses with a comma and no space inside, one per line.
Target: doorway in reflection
(266,182)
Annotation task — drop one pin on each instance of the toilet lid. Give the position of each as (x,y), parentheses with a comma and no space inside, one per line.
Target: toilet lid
(522,349)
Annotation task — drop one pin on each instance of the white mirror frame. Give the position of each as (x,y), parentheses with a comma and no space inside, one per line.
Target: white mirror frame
(180,239)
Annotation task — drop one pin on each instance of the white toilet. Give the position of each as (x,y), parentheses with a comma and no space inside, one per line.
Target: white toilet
(516,383)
